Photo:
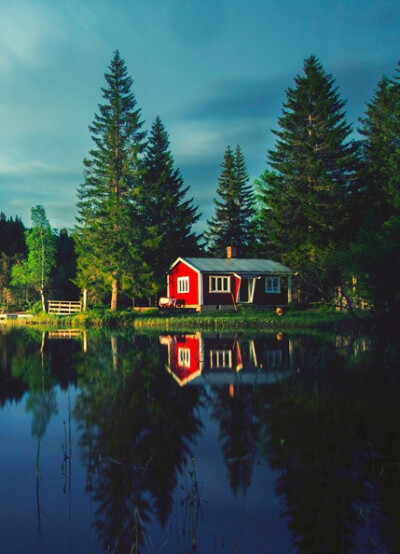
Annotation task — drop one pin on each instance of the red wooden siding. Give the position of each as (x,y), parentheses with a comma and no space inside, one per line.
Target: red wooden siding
(183,356)
(191,297)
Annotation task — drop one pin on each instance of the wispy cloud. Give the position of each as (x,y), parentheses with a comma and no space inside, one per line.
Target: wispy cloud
(23,33)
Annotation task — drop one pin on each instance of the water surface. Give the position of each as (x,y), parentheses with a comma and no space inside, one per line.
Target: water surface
(198,442)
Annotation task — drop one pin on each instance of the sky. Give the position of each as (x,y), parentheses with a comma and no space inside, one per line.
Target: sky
(215,71)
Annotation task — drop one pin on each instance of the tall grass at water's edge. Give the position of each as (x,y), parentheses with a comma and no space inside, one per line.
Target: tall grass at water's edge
(268,319)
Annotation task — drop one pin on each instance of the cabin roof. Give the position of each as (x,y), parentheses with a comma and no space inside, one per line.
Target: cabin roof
(236,265)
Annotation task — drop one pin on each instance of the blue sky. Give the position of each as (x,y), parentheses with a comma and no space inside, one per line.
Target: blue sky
(215,71)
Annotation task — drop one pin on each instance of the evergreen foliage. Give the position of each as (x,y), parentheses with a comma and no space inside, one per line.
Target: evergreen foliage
(326,206)
(108,230)
(380,175)
(65,270)
(233,223)
(309,195)
(12,236)
(373,259)
(167,216)
(12,250)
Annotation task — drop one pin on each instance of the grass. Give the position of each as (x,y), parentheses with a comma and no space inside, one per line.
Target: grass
(245,318)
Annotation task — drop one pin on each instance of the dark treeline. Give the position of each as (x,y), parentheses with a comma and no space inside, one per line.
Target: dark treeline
(327,205)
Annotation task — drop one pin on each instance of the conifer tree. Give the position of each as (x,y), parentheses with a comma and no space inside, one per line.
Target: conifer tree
(166,214)
(379,174)
(233,223)
(108,229)
(372,261)
(310,190)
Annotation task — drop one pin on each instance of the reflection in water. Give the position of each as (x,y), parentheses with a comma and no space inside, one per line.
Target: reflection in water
(319,415)
(216,359)
(136,431)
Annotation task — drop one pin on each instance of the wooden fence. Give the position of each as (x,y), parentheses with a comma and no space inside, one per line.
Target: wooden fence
(64,307)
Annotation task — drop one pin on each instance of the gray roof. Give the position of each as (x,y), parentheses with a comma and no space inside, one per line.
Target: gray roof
(237,265)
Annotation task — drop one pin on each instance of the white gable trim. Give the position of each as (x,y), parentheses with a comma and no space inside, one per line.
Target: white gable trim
(182,260)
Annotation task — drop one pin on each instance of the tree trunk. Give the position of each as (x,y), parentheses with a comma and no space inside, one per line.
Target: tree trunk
(114,350)
(85,297)
(42,297)
(114,295)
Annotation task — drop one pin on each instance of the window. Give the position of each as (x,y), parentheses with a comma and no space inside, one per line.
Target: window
(274,358)
(220,284)
(183,284)
(183,357)
(273,284)
(220,358)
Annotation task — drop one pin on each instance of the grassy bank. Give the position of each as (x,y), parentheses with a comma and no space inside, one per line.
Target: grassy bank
(247,318)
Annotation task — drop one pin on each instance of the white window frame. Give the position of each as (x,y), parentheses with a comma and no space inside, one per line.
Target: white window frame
(219,283)
(274,358)
(183,357)
(220,358)
(272,285)
(183,285)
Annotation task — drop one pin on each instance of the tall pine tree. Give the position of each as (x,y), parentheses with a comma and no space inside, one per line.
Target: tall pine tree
(108,229)
(374,258)
(309,192)
(380,175)
(233,222)
(166,214)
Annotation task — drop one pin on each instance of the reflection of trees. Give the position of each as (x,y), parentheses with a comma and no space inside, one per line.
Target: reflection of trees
(136,430)
(239,430)
(328,435)
(321,460)
(29,364)
(10,388)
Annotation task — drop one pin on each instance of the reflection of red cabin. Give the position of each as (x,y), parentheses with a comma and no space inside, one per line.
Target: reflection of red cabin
(184,361)
(209,283)
(225,360)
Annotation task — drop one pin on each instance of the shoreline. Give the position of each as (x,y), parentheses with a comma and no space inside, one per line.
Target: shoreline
(262,320)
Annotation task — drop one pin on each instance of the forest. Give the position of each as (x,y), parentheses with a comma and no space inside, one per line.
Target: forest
(327,205)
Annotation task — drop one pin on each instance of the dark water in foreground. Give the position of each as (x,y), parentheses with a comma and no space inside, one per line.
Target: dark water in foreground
(199,443)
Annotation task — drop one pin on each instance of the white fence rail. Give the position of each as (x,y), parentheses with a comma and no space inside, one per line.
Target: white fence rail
(64,307)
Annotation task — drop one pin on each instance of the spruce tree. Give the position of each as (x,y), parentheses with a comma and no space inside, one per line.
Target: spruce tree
(310,190)
(379,174)
(233,222)
(372,261)
(166,214)
(108,229)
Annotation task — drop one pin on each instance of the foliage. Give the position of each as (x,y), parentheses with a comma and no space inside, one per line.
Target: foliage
(167,218)
(379,175)
(12,236)
(307,198)
(12,251)
(35,271)
(108,230)
(373,259)
(233,223)
(65,268)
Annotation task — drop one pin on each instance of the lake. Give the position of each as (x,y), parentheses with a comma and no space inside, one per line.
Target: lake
(199,442)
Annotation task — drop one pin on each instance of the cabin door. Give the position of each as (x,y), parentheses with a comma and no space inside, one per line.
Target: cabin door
(246,290)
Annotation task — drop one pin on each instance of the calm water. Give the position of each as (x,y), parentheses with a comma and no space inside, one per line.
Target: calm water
(199,443)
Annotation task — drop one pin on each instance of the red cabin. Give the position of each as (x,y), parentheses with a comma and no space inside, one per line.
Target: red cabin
(223,283)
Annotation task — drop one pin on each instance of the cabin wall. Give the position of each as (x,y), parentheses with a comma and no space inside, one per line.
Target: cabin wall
(191,298)
(220,299)
(262,298)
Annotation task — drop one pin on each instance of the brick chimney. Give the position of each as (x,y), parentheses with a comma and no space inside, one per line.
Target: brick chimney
(231,252)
